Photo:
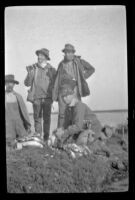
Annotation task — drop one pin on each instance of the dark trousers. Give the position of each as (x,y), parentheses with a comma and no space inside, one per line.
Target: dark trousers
(62,109)
(61,115)
(42,109)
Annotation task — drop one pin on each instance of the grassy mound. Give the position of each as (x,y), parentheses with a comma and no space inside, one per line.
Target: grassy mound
(34,170)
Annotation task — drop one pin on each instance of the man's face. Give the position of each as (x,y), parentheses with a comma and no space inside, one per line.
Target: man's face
(9,86)
(41,58)
(68,98)
(69,55)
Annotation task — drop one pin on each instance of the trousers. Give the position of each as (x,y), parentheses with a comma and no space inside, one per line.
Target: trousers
(14,122)
(62,108)
(42,110)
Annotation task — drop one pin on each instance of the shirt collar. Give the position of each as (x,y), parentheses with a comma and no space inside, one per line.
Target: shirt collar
(42,65)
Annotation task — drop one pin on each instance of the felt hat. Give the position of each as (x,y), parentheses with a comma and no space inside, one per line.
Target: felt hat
(68,48)
(43,51)
(68,87)
(10,79)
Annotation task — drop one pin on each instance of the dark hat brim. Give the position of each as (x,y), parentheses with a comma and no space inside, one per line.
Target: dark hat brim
(68,50)
(65,93)
(41,52)
(12,81)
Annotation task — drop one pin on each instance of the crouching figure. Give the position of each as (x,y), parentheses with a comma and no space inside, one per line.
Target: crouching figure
(80,121)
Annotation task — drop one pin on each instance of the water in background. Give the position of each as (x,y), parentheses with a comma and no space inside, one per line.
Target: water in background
(110,118)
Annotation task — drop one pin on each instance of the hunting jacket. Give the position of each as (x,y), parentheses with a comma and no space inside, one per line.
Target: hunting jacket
(83,71)
(51,73)
(76,117)
(22,109)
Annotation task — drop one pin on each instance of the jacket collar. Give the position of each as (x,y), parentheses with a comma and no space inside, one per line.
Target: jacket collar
(47,66)
(74,59)
(6,92)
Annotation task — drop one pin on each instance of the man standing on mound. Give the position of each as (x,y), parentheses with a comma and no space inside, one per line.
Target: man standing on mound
(40,79)
(72,67)
(17,118)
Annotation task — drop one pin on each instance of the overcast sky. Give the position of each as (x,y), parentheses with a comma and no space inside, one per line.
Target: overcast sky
(98,34)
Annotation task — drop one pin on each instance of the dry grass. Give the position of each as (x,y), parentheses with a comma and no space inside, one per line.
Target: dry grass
(35,170)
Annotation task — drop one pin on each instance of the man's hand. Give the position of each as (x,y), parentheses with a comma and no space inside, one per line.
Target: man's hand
(59,132)
(64,137)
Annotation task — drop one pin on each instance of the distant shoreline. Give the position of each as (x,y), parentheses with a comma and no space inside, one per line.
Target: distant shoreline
(98,111)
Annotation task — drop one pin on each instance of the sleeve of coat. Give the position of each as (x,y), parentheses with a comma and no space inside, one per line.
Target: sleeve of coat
(56,84)
(88,69)
(29,78)
(24,110)
(53,75)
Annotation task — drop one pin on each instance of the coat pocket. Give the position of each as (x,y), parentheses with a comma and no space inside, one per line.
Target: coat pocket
(85,88)
(30,96)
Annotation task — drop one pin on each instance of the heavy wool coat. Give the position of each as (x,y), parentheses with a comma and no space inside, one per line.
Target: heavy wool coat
(29,80)
(23,110)
(83,71)
(76,117)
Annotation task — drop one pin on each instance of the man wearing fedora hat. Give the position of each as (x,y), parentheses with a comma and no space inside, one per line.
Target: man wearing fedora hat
(74,68)
(40,79)
(17,118)
(80,120)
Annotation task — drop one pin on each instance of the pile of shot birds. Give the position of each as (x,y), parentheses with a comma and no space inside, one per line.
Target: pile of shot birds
(70,168)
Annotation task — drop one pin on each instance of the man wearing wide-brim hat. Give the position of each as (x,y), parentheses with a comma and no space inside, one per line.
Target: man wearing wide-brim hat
(75,68)
(17,118)
(81,123)
(40,78)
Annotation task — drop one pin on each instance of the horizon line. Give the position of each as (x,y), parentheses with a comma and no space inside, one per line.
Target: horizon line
(98,111)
